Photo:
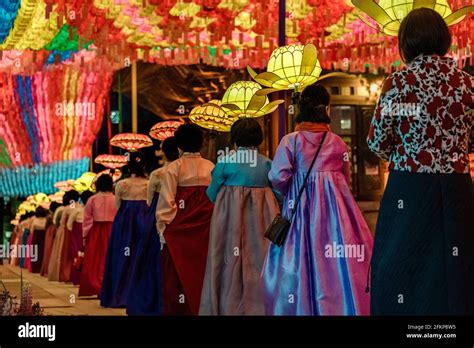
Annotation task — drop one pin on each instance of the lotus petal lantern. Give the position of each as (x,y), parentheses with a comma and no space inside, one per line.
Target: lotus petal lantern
(165,129)
(84,182)
(111,161)
(389,13)
(131,141)
(65,185)
(242,100)
(211,116)
(291,67)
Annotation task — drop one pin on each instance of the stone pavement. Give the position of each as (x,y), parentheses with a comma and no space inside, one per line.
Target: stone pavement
(54,297)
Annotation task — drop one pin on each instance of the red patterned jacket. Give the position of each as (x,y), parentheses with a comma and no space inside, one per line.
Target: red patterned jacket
(423,119)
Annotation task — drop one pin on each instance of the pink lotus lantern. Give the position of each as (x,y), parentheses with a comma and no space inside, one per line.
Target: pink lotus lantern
(65,185)
(111,161)
(165,129)
(116,175)
(131,141)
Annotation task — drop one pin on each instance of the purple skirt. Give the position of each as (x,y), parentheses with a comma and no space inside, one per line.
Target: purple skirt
(322,267)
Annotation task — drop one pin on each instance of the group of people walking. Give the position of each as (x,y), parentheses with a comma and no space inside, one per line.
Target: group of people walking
(190,239)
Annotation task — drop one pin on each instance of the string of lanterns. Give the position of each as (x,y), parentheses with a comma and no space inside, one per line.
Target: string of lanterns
(222,32)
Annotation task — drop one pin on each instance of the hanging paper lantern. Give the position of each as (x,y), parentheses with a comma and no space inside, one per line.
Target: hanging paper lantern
(65,185)
(84,182)
(117,174)
(241,100)
(111,161)
(290,67)
(211,116)
(57,197)
(389,13)
(131,141)
(26,207)
(165,129)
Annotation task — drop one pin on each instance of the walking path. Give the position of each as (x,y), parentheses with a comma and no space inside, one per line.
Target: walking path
(54,297)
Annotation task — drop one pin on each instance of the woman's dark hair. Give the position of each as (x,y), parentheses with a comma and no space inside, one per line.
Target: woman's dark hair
(423,31)
(71,195)
(53,206)
(41,212)
(86,195)
(246,132)
(189,137)
(104,183)
(137,164)
(313,105)
(170,148)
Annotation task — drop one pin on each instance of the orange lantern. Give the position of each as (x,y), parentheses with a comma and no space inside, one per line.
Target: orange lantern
(111,161)
(131,141)
(165,129)
(64,185)
(116,174)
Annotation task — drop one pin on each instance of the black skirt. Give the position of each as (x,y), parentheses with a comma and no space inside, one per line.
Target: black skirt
(423,257)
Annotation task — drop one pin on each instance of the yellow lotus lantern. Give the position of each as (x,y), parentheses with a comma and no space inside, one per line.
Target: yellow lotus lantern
(291,67)
(84,182)
(211,116)
(389,13)
(57,197)
(42,200)
(242,100)
(26,207)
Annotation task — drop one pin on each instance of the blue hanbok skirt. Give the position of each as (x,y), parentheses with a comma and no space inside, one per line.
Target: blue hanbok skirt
(145,297)
(121,252)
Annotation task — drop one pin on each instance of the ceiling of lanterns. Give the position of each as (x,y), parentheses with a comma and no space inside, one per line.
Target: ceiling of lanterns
(226,33)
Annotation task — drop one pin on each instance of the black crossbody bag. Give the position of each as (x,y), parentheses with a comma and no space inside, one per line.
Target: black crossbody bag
(280,226)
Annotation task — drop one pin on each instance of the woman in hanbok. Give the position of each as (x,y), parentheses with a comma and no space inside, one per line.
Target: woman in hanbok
(183,217)
(14,244)
(99,213)
(70,199)
(130,200)
(39,225)
(49,238)
(74,224)
(17,256)
(423,259)
(244,206)
(23,251)
(322,267)
(146,294)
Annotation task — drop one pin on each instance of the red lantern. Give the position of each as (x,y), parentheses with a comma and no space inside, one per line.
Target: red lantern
(111,161)
(131,141)
(163,130)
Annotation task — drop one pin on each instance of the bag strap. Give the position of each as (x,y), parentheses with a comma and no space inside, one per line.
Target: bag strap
(307,175)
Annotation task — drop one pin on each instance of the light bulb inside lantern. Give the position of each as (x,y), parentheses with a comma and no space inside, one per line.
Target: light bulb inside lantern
(374,88)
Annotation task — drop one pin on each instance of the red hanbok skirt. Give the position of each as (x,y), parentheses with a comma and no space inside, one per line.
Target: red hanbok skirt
(48,248)
(187,239)
(94,258)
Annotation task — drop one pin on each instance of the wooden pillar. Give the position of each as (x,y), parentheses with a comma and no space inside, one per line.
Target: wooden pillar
(134,98)
(281,42)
